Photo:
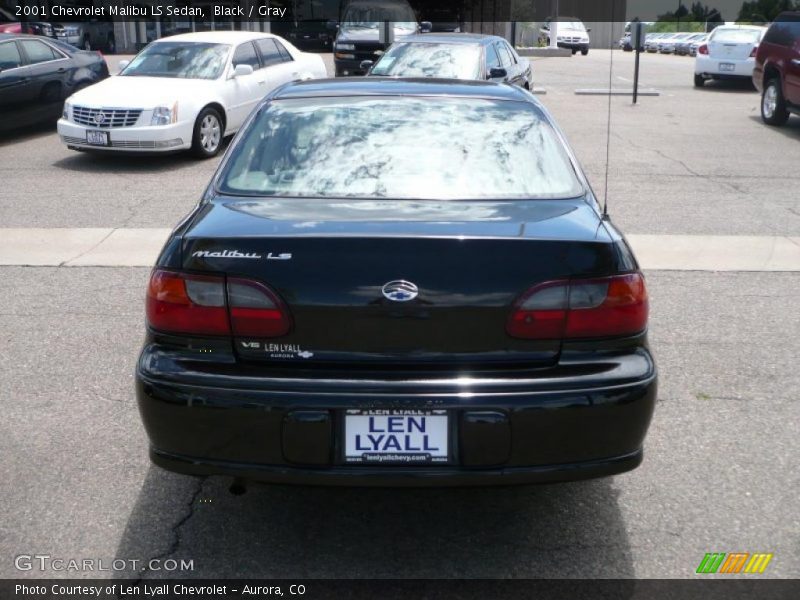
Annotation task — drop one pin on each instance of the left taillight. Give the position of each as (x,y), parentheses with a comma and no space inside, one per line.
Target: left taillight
(193,304)
(753,52)
(584,308)
(187,303)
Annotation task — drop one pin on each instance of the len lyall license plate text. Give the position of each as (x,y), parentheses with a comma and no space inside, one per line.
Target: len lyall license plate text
(396,436)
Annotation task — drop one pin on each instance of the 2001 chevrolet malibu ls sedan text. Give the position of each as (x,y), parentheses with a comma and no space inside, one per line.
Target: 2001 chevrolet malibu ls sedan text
(397,282)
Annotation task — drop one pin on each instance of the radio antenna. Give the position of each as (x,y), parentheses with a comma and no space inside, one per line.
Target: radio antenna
(608,124)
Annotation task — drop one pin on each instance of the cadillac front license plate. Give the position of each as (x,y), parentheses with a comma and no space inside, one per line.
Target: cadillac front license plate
(97,138)
(396,436)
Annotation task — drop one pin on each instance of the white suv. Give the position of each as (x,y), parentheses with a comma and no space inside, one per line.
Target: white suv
(571,33)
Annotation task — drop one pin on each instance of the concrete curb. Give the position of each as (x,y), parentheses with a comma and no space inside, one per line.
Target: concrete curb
(106,247)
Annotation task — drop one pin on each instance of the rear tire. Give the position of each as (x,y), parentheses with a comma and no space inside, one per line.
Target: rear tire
(699,80)
(208,132)
(773,104)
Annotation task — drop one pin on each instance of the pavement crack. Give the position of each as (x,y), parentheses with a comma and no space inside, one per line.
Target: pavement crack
(175,531)
(63,263)
(134,212)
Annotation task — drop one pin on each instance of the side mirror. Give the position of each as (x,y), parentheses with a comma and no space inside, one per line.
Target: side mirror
(122,64)
(588,29)
(425,27)
(366,65)
(497,73)
(332,25)
(242,70)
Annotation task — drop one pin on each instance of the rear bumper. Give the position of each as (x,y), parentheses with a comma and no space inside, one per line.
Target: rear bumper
(400,477)
(348,66)
(711,67)
(541,430)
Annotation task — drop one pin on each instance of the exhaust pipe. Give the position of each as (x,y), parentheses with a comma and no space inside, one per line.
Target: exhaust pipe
(238,487)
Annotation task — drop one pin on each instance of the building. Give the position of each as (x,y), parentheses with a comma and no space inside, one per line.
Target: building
(484,16)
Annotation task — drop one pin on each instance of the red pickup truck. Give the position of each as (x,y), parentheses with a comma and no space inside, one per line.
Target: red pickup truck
(777,69)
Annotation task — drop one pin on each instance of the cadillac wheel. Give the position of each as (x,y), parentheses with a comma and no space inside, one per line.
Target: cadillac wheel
(207,133)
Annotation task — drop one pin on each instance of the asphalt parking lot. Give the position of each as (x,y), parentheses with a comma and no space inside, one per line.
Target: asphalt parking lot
(720,466)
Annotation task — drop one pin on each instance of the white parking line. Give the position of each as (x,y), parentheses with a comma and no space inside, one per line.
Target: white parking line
(106,247)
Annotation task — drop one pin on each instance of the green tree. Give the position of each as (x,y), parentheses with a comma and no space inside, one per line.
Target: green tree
(765,11)
(695,17)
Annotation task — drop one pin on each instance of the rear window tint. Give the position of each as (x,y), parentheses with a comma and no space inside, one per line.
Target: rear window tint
(736,36)
(784,33)
(402,148)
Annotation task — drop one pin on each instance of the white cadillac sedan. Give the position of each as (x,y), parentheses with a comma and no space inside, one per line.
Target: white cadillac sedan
(728,53)
(187,91)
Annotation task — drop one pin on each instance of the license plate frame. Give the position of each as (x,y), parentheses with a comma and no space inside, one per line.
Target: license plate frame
(97,138)
(726,67)
(437,423)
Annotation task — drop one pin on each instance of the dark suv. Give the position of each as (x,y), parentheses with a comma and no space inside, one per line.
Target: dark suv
(777,69)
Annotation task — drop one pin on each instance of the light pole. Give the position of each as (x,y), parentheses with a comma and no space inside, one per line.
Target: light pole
(553,31)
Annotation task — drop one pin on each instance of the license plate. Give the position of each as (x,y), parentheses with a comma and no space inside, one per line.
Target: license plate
(97,138)
(409,437)
(727,67)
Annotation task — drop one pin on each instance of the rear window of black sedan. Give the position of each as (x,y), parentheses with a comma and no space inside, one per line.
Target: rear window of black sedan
(400,147)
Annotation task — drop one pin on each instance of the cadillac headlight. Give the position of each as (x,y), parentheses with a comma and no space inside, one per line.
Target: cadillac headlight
(67,110)
(164,115)
(341,46)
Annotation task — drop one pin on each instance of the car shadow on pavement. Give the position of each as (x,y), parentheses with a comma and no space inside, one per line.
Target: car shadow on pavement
(731,86)
(26,133)
(277,531)
(791,129)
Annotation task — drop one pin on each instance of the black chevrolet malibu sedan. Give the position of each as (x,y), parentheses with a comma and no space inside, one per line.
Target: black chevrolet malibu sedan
(397,282)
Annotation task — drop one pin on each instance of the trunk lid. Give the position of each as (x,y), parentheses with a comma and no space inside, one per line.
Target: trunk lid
(330,260)
(733,44)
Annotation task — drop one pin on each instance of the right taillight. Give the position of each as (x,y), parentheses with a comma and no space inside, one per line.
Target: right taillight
(702,49)
(585,308)
(256,311)
(194,304)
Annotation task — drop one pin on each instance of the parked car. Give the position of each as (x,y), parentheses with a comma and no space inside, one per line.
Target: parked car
(37,73)
(10,24)
(571,33)
(625,43)
(89,35)
(350,303)
(361,34)
(187,91)
(454,56)
(651,41)
(695,45)
(729,53)
(310,35)
(683,47)
(776,73)
(668,45)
